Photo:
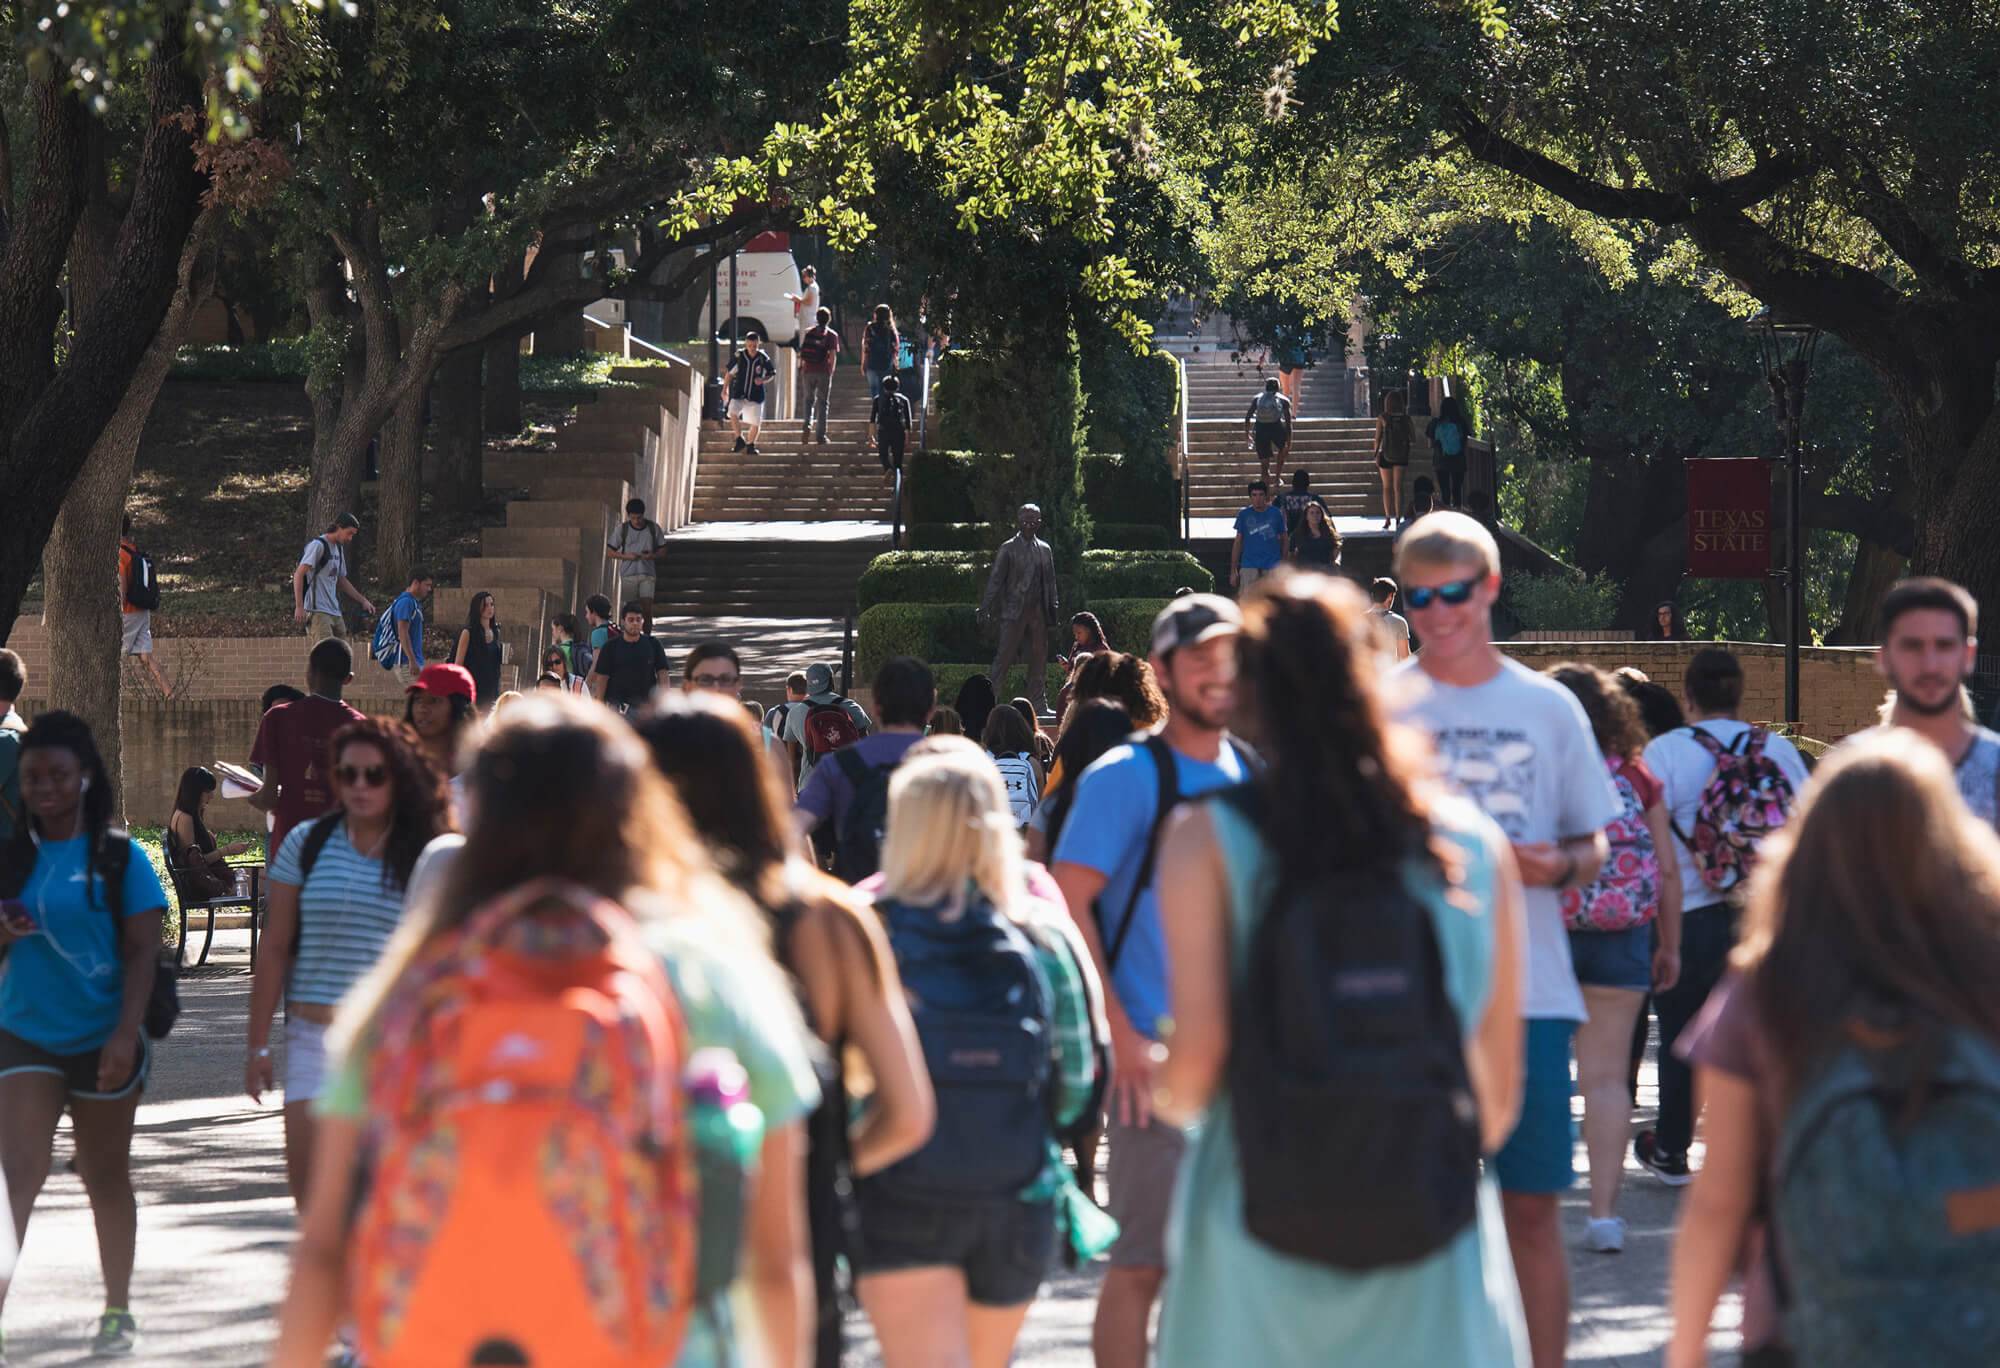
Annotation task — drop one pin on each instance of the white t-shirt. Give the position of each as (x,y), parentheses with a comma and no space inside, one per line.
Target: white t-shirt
(326,567)
(1683,768)
(1520,747)
(805,313)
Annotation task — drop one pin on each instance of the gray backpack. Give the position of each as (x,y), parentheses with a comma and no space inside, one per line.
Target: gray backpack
(1887,1205)
(1270,407)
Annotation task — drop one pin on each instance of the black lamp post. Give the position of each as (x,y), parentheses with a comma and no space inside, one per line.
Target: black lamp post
(1786,348)
(713,404)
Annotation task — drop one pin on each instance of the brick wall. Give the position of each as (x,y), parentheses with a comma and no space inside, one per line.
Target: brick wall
(1839,689)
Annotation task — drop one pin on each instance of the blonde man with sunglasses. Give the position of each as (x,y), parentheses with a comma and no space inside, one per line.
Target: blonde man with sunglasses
(1519,745)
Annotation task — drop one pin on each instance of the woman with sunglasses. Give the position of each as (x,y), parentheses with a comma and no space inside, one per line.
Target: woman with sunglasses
(556,663)
(337,895)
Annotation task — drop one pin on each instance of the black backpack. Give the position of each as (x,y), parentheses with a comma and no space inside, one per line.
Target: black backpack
(857,841)
(142,586)
(1355,1121)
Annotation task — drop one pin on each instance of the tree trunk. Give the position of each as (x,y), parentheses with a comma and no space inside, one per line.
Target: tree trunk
(503,386)
(459,433)
(560,331)
(399,510)
(1635,530)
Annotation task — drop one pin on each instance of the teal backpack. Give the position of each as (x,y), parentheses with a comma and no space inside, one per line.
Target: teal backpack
(1887,1205)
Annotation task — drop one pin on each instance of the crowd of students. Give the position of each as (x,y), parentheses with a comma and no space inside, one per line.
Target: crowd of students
(1317,942)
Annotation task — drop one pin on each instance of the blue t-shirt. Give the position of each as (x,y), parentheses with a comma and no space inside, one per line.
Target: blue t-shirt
(62,985)
(407,609)
(1108,826)
(1263,537)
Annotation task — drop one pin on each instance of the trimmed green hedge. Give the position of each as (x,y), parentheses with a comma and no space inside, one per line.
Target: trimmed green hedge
(1134,489)
(941,484)
(955,536)
(945,487)
(579,374)
(948,633)
(950,677)
(1130,398)
(1143,574)
(960,576)
(1134,537)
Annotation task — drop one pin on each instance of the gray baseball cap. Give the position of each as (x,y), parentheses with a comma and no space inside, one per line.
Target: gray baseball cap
(819,679)
(1193,619)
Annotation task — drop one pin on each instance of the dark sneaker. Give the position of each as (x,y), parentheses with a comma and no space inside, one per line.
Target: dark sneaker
(822,439)
(750,450)
(1671,1169)
(117,1335)
(739,445)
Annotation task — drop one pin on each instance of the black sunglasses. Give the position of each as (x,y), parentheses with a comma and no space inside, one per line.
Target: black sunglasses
(1455,593)
(373,776)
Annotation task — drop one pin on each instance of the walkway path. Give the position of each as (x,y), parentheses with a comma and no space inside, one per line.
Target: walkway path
(216,1230)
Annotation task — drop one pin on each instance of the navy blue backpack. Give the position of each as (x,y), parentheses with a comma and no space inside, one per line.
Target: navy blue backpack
(982,1008)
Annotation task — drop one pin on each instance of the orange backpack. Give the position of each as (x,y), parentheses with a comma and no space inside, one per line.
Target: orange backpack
(531,1188)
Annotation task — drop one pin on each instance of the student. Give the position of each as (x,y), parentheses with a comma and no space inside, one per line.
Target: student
(1392,452)
(1260,540)
(1104,865)
(1267,427)
(1624,939)
(336,898)
(828,721)
(13,682)
(1930,648)
(1392,629)
(889,423)
(849,794)
(1521,748)
(555,666)
(945,722)
(638,545)
(406,617)
(82,932)
(292,738)
(320,581)
(749,371)
(1315,543)
(1093,727)
(1448,434)
(631,665)
(137,622)
(819,354)
(1294,502)
(880,347)
(567,637)
(204,864)
(1863,981)
(778,722)
(1011,742)
(1726,786)
(832,944)
(976,698)
(1340,822)
(1087,635)
(952,1243)
(480,651)
(597,617)
(596,875)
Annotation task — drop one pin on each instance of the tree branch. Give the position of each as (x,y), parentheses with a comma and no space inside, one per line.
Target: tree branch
(1873,520)
(1898,227)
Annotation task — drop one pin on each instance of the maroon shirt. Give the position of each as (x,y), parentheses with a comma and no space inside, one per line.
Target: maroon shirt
(292,747)
(819,349)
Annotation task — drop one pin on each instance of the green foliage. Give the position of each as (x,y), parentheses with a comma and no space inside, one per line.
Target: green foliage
(951,678)
(956,486)
(940,482)
(1142,574)
(288,359)
(921,577)
(931,632)
(956,536)
(1555,602)
(1136,489)
(1134,536)
(1130,399)
(1024,399)
(1128,622)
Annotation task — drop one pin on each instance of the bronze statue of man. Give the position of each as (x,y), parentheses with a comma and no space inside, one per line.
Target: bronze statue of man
(1023,589)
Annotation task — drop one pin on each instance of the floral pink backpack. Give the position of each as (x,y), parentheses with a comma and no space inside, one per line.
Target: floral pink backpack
(1626,892)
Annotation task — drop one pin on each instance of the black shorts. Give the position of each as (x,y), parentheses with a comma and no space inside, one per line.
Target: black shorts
(1270,439)
(77,1071)
(1002,1246)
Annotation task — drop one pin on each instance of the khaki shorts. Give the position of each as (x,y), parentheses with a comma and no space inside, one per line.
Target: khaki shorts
(1247,575)
(750,411)
(1144,1162)
(636,591)
(138,632)
(320,626)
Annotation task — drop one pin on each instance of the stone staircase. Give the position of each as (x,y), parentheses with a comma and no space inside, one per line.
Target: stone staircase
(791,477)
(1336,448)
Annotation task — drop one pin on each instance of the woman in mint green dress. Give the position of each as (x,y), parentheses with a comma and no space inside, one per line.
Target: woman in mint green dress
(1344,790)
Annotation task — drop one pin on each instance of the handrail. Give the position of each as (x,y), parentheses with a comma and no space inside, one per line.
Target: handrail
(924,402)
(896,513)
(1187,499)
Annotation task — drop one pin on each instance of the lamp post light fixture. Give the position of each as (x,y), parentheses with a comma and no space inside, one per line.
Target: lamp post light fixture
(1786,349)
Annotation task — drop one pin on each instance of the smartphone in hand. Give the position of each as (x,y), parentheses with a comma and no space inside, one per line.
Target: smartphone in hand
(16,917)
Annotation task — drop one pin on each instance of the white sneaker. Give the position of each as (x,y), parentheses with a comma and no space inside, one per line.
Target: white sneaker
(1606,1236)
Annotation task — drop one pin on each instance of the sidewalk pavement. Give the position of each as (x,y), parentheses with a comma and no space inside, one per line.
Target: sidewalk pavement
(216,1226)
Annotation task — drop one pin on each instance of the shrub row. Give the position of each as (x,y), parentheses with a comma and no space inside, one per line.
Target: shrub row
(977,536)
(944,487)
(947,633)
(917,577)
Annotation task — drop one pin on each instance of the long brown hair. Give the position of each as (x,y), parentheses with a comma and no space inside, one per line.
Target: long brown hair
(420,801)
(1341,794)
(1882,891)
(1614,715)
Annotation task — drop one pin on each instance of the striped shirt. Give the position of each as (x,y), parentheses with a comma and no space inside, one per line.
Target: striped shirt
(346,915)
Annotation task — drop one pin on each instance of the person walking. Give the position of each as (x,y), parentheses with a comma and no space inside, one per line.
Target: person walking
(1294,501)
(597,616)
(555,666)
(1021,591)
(829,721)
(889,423)
(13,682)
(1260,540)
(440,706)
(1847,1062)
(848,799)
(630,665)
(1278,1259)
(830,942)
(1315,542)
(1727,785)
(1392,452)
(952,1243)
(749,371)
(137,581)
(616,898)
(80,914)
(479,649)
(1930,648)
(566,635)
(819,355)
(1010,740)
(336,897)
(1624,939)
(292,738)
(320,581)
(1392,629)
(805,306)
(402,654)
(1104,863)
(975,698)
(638,545)
(1267,428)
(1091,728)
(880,346)
(1448,433)
(1521,748)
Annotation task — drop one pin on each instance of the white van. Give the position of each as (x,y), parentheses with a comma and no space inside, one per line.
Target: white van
(765,274)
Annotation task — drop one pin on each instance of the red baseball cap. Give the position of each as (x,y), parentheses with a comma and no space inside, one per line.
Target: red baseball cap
(445,680)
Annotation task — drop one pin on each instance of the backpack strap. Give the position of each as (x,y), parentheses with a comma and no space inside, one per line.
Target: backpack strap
(317,835)
(1168,776)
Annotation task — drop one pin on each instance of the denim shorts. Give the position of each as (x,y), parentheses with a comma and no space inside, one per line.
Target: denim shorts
(1003,1246)
(1537,1156)
(1613,959)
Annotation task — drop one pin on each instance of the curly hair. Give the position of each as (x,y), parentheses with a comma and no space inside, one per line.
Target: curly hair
(421,803)
(1615,719)
(1125,678)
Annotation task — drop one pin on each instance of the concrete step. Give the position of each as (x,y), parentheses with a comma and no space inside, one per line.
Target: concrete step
(515,469)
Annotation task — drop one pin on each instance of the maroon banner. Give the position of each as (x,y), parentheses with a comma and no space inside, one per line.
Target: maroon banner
(1730,533)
